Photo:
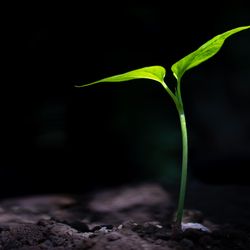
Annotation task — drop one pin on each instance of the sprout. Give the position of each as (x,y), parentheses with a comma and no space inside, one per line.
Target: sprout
(157,73)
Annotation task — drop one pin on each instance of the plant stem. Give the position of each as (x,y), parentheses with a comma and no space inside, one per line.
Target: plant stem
(179,105)
(184,166)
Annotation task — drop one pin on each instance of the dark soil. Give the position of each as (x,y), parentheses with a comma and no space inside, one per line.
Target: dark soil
(136,217)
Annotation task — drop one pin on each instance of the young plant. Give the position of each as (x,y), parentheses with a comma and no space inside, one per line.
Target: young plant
(157,73)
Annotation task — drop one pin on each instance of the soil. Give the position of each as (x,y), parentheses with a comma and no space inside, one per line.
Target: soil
(129,217)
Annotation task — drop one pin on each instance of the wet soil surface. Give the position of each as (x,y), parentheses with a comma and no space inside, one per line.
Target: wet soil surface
(133,217)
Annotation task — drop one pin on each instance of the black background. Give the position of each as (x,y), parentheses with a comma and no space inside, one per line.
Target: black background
(58,138)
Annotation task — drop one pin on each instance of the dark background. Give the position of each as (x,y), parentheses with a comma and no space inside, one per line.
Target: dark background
(58,138)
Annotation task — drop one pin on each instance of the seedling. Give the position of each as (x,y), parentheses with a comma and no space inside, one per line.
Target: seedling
(157,73)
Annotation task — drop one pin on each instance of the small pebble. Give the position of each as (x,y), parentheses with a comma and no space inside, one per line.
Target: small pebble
(108,226)
(159,226)
(104,230)
(198,226)
(113,236)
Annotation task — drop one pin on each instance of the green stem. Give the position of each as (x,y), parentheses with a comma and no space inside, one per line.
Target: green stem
(184,166)
(179,105)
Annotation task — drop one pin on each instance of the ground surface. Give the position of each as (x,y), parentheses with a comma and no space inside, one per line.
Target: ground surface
(134,217)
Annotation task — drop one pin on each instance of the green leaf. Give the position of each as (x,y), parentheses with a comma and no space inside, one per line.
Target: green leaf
(203,53)
(156,73)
